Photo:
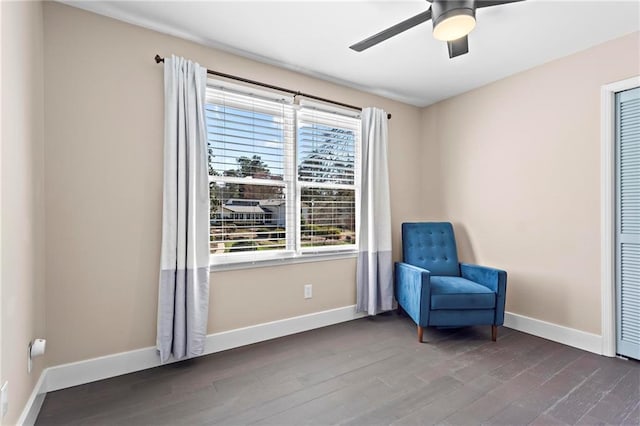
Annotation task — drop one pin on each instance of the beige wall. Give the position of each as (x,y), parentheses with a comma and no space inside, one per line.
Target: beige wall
(104,124)
(22,226)
(520,176)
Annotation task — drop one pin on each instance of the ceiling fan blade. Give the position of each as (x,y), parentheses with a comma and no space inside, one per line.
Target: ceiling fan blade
(392,31)
(458,47)
(489,3)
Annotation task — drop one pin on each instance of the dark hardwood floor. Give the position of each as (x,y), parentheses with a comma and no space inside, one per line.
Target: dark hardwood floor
(368,372)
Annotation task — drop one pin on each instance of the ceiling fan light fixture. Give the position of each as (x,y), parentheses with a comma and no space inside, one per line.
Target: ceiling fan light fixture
(452,20)
(455,24)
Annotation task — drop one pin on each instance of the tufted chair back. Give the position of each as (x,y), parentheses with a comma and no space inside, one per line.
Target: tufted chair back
(432,246)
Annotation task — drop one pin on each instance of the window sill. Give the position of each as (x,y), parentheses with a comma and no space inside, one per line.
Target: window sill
(304,258)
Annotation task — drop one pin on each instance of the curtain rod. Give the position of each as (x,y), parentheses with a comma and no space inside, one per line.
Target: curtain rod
(159,59)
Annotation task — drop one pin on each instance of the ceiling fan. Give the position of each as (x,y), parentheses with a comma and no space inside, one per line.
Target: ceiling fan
(453,20)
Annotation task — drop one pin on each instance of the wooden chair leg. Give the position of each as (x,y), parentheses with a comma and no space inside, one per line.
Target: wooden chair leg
(420,332)
(494,333)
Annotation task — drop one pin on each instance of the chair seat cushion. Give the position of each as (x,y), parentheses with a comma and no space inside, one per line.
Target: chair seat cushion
(460,293)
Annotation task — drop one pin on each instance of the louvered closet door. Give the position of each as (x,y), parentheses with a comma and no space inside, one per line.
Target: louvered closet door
(628,222)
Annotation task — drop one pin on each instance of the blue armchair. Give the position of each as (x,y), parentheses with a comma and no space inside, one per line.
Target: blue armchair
(435,290)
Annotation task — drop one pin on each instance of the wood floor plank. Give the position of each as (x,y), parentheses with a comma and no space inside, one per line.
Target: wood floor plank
(441,407)
(312,411)
(620,402)
(409,401)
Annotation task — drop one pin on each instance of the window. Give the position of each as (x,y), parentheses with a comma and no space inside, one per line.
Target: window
(326,152)
(283,179)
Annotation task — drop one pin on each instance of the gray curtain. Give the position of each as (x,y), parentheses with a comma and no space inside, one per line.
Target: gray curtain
(183,299)
(375,267)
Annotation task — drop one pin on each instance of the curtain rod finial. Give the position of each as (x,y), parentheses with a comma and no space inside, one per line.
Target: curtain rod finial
(159,59)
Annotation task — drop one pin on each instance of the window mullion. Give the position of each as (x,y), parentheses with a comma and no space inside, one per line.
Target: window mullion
(290,178)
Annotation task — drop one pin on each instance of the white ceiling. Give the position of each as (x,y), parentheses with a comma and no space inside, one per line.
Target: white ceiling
(313,37)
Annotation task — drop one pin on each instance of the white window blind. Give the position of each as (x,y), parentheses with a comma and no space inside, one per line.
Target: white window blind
(328,178)
(250,155)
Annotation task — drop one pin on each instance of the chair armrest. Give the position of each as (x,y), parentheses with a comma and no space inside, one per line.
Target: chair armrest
(413,291)
(493,279)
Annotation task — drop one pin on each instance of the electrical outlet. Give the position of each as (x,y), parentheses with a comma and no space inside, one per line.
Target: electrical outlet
(4,399)
(308,291)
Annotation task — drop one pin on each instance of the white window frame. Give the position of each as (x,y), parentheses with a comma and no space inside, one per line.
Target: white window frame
(294,252)
(304,184)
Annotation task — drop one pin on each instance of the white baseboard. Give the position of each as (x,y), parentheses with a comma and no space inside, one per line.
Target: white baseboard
(558,333)
(90,370)
(34,403)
